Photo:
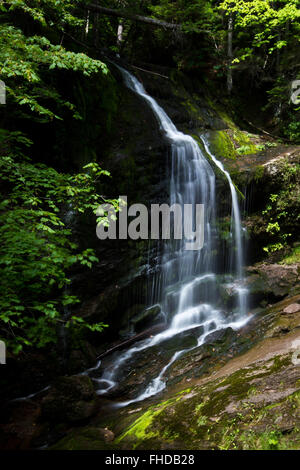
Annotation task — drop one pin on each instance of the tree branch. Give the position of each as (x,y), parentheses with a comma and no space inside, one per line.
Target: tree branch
(148,71)
(131,16)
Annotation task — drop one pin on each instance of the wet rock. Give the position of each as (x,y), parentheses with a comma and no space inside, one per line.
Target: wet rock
(280,323)
(253,400)
(191,363)
(145,318)
(292,308)
(71,399)
(184,340)
(221,336)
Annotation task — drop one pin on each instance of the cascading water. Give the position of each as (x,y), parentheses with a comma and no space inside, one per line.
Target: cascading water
(185,284)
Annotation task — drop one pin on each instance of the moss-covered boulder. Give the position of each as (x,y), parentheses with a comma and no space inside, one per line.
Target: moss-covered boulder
(89,438)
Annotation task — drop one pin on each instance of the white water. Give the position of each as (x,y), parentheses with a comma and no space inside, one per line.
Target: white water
(185,284)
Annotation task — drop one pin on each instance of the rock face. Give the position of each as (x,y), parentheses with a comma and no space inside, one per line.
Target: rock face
(137,157)
(71,399)
(89,438)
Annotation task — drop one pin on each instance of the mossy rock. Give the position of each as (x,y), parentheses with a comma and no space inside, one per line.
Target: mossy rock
(226,335)
(145,317)
(226,413)
(90,438)
(222,146)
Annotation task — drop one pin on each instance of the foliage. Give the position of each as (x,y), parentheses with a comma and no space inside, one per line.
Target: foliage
(265,19)
(37,249)
(23,62)
(46,47)
(267,40)
(265,44)
(293,257)
(281,214)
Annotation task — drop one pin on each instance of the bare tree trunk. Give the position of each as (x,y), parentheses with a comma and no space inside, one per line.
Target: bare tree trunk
(120,34)
(229,53)
(87,24)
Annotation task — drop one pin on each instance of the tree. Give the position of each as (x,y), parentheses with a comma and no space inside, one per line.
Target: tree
(266,44)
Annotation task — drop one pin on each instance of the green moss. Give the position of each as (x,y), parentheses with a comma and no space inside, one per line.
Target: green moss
(183,392)
(221,113)
(139,430)
(241,138)
(293,258)
(139,427)
(222,146)
(244,144)
(246,149)
(191,107)
(84,439)
(259,173)
(202,420)
(279,363)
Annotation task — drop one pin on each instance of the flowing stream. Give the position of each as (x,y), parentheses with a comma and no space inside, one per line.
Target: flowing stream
(185,285)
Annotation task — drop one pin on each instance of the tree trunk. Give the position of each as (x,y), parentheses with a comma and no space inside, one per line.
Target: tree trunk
(229,53)
(87,24)
(120,34)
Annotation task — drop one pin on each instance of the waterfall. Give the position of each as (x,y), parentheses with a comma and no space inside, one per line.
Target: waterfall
(185,285)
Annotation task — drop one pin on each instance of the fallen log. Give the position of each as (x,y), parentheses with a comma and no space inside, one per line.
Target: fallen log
(128,342)
(149,71)
(131,16)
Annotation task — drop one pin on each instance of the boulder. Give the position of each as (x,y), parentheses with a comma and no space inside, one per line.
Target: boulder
(184,340)
(272,281)
(71,399)
(87,438)
(145,317)
(106,434)
(292,308)
(20,425)
(221,336)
